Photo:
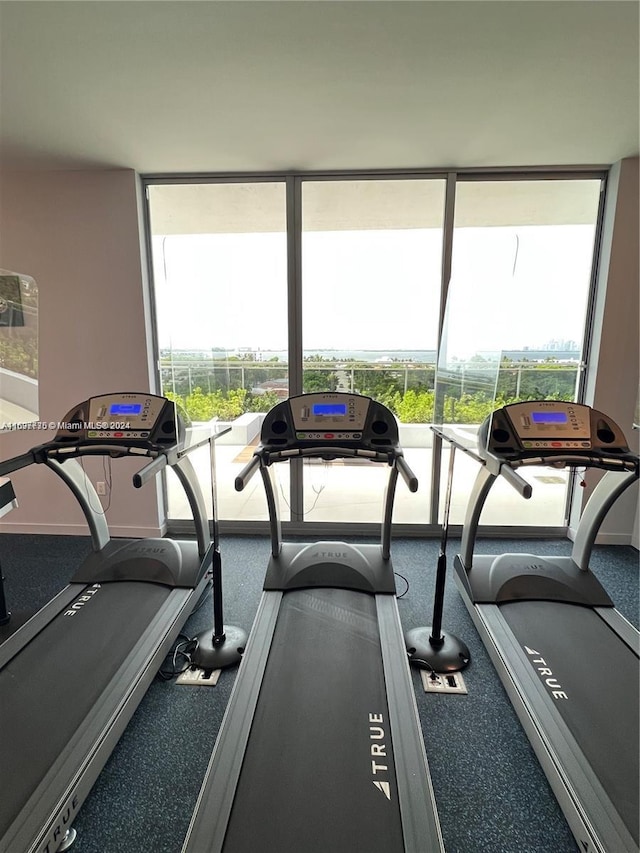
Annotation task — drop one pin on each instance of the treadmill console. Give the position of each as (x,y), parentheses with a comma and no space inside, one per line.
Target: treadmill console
(129,418)
(550,427)
(348,420)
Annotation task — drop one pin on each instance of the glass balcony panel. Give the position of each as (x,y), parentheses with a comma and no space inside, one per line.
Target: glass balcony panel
(19,401)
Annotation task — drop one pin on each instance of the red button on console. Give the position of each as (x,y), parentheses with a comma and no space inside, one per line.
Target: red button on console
(329,435)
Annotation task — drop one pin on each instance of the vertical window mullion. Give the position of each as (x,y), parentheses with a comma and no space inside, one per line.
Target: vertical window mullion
(447,253)
(294,278)
(587,336)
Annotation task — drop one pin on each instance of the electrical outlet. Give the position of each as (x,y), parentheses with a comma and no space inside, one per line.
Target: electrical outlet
(101,487)
(197,677)
(443,682)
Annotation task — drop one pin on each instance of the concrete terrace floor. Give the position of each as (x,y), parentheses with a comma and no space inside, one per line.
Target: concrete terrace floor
(353,491)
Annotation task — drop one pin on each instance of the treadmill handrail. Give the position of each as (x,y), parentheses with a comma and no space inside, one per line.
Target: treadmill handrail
(518,482)
(628,462)
(18,462)
(60,452)
(596,458)
(494,464)
(598,505)
(406,473)
(247,472)
(150,470)
(328,452)
(265,456)
(62,459)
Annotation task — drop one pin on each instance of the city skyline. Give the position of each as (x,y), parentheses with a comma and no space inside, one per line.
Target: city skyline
(551,345)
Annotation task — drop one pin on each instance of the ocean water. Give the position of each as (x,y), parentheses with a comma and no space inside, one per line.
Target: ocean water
(427,356)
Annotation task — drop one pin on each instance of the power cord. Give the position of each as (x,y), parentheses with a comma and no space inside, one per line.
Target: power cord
(108,479)
(187,646)
(317,491)
(184,649)
(406,588)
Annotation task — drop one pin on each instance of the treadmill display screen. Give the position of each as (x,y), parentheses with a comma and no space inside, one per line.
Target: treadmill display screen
(125,408)
(329,409)
(549,417)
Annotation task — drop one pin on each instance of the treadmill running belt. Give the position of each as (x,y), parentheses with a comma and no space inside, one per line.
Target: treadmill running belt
(49,688)
(599,675)
(308,780)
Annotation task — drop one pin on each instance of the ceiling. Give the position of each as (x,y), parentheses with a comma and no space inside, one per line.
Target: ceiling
(242,86)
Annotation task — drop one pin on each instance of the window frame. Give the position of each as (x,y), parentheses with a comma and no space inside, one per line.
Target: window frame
(294,181)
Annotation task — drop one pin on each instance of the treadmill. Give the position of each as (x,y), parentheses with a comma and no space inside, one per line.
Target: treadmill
(72,676)
(568,660)
(321,748)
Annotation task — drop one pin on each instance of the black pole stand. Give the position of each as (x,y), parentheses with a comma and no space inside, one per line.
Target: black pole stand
(225,646)
(7,503)
(430,648)
(5,615)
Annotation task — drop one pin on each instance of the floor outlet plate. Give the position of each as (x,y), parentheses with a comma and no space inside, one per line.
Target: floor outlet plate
(443,682)
(197,677)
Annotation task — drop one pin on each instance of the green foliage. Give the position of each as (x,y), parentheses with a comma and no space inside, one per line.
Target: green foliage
(261,402)
(319,380)
(203,407)
(414,407)
(19,354)
(406,389)
(470,409)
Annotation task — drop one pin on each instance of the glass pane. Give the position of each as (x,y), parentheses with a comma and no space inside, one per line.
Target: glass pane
(220,276)
(18,349)
(371,268)
(522,257)
(466,370)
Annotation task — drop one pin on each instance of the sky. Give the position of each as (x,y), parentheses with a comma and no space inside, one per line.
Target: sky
(511,287)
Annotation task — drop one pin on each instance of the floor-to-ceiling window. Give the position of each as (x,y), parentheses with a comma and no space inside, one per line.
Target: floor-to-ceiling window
(371,269)
(219,254)
(521,272)
(271,286)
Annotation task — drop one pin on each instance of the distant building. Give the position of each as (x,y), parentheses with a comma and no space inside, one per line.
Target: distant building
(279,387)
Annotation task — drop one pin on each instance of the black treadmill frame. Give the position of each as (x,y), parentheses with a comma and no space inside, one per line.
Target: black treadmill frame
(40,825)
(590,813)
(43,820)
(418,812)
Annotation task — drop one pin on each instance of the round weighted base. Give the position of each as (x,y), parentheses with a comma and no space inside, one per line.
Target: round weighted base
(450,655)
(228,652)
(15,620)
(67,841)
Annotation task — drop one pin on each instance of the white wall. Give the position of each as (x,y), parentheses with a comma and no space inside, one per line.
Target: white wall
(612,378)
(78,234)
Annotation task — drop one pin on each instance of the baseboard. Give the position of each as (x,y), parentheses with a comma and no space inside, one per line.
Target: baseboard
(81,530)
(605,538)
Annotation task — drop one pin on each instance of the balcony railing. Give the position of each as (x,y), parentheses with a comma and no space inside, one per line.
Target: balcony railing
(466,394)
(241,392)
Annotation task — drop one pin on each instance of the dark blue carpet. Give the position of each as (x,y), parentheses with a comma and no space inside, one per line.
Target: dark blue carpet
(491,792)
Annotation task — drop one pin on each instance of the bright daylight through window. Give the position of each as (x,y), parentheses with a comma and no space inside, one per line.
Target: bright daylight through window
(267,288)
